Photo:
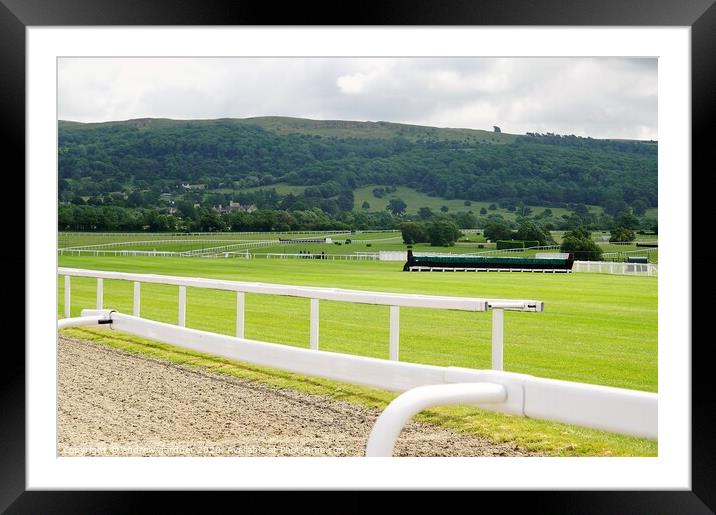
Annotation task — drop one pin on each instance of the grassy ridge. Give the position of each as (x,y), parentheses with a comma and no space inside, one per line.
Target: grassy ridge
(416,199)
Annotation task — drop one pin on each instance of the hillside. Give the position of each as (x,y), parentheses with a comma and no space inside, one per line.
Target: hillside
(332,157)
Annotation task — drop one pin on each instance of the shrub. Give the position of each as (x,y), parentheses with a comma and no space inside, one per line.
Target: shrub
(368,244)
(414,232)
(529,230)
(531,243)
(443,233)
(348,241)
(583,247)
(621,234)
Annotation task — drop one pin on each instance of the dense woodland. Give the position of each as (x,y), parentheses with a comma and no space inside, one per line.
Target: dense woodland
(132,167)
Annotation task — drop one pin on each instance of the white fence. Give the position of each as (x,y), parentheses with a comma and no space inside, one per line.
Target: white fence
(612,267)
(393,300)
(387,255)
(332,257)
(612,409)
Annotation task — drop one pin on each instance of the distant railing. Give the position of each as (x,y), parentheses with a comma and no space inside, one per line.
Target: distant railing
(615,267)
(331,257)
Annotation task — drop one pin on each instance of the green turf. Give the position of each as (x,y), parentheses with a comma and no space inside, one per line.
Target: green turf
(596,328)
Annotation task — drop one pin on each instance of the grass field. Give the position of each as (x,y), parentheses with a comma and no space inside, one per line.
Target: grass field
(360,242)
(599,329)
(415,200)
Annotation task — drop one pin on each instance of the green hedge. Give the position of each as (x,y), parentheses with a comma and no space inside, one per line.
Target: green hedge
(510,244)
(531,243)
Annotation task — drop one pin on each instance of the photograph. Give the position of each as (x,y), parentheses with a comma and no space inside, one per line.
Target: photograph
(421,255)
(357,256)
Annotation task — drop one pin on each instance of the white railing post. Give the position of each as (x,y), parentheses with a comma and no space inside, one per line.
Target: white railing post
(498,334)
(182,306)
(100,293)
(136,303)
(240,303)
(394,332)
(314,324)
(67,296)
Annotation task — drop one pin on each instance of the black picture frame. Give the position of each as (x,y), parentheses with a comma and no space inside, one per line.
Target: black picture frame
(699,15)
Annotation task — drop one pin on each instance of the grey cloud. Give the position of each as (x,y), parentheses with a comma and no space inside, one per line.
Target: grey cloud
(599,97)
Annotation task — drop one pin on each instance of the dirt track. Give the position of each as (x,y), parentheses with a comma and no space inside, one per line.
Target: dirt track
(116,404)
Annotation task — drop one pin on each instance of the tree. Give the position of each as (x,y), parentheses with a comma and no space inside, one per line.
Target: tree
(396,206)
(346,200)
(531,231)
(466,220)
(639,207)
(622,234)
(483,211)
(135,199)
(425,213)
(627,220)
(497,231)
(580,243)
(444,209)
(492,207)
(467,203)
(443,233)
(365,205)
(413,232)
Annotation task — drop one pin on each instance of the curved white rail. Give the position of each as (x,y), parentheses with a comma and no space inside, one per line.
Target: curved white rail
(65,323)
(391,422)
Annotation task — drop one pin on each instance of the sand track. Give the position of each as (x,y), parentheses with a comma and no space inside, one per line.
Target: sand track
(112,403)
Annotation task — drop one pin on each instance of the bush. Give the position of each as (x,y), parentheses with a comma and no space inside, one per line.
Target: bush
(531,243)
(480,246)
(621,234)
(583,248)
(414,232)
(368,244)
(443,233)
(510,244)
(529,230)
(348,242)
(497,231)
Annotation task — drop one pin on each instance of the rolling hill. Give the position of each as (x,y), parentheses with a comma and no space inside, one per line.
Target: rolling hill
(328,158)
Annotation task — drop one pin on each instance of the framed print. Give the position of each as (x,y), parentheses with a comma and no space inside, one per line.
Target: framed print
(245,155)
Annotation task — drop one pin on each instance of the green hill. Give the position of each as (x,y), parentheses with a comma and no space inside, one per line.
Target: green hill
(321,161)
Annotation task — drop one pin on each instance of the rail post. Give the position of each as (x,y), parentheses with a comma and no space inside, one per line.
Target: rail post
(314,324)
(240,304)
(67,296)
(136,300)
(100,293)
(182,306)
(394,332)
(498,334)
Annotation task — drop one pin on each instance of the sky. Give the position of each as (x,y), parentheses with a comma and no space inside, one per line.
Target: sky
(597,97)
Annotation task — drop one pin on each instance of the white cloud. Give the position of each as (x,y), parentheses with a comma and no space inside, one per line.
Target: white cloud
(599,97)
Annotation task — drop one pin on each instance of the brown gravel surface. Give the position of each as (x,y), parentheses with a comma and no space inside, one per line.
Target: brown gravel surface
(113,403)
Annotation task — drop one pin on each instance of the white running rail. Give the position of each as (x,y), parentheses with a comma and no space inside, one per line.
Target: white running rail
(394,300)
